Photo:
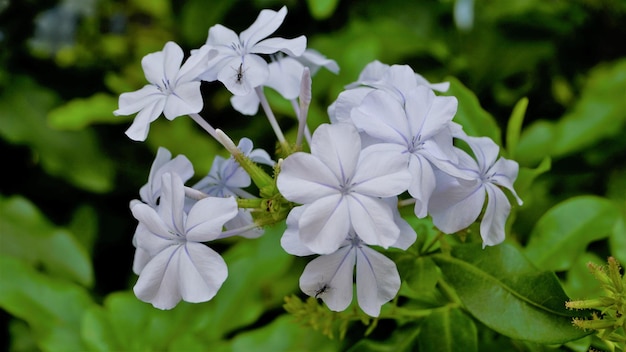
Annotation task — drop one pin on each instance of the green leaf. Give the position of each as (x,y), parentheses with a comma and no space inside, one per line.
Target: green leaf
(448,329)
(617,241)
(598,114)
(322,9)
(563,233)
(579,283)
(195,20)
(52,308)
(526,176)
(474,119)
(402,340)
(125,323)
(284,334)
(75,156)
(261,278)
(26,234)
(97,331)
(79,113)
(535,143)
(514,127)
(500,288)
(421,273)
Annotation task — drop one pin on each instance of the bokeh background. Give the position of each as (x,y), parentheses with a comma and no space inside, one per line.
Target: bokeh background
(69,171)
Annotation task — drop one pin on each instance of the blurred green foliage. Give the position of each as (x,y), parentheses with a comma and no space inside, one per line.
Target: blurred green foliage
(551,74)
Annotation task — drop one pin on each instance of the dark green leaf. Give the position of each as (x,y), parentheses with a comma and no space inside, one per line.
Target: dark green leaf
(474,119)
(73,155)
(53,308)
(563,233)
(500,288)
(322,9)
(27,235)
(448,330)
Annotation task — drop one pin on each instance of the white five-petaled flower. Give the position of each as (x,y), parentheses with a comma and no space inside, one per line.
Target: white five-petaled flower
(330,277)
(174,90)
(397,80)
(180,266)
(342,187)
(419,129)
(457,203)
(285,77)
(227,178)
(151,192)
(237,64)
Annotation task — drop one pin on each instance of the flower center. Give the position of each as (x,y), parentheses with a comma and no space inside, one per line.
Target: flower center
(415,144)
(165,86)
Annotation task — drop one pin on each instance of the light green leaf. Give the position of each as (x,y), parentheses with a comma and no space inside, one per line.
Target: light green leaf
(448,330)
(563,233)
(474,119)
(579,283)
(75,156)
(52,308)
(535,143)
(79,113)
(26,234)
(617,240)
(514,127)
(284,334)
(500,288)
(322,9)
(403,339)
(97,331)
(598,113)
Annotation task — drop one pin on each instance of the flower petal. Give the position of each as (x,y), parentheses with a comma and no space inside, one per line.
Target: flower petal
(338,147)
(158,281)
(207,217)
(496,213)
(265,24)
(132,102)
(138,130)
(201,272)
(372,220)
(290,241)
(246,104)
(303,178)
(171,207)
(325,224)
(422,184)
(152,221)
(382,171)
(291,47)
(377,280)
(186,99)
(456,206)
(330,277)
(381,116)
(427,113)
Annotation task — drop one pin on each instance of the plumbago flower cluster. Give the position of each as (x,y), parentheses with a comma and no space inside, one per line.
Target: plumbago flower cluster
(389,136)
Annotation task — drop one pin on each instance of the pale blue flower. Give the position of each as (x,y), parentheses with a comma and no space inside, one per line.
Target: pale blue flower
(181,267)
(342,187)
(457,203)
(228,179)
(331,277)
(238,64)
(174,90)
(419,128)
(285,77)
